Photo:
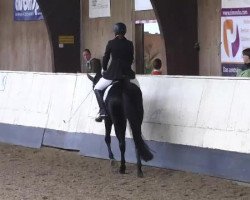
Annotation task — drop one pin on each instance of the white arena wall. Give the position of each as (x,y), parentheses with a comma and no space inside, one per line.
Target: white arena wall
(199,124)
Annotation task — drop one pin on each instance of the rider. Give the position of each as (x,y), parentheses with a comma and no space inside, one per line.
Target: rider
(122,52)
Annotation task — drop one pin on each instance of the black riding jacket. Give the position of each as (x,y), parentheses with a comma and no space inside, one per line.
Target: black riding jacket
(122,52)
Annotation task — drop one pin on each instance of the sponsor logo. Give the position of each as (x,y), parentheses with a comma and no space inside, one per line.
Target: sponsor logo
(231,38)
(27,5)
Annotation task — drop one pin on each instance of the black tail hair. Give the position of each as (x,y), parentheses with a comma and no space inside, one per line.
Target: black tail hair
(134,113)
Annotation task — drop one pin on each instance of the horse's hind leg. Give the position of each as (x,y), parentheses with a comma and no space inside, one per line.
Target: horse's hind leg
(120,129)
(139,165)
(108,126)
(122,146)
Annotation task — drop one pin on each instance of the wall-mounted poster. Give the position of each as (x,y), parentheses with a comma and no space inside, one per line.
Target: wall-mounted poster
(235,34)
(143,5)
(99,8)
(27,10)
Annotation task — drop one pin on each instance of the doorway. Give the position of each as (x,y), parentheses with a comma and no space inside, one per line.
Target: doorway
(149,45)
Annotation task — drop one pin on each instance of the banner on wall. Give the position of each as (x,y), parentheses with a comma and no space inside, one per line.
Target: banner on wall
(235,34)
(99,8)
(27,10)
(143,5)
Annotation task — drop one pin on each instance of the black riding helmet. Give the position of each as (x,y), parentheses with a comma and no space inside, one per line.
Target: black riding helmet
(120,29)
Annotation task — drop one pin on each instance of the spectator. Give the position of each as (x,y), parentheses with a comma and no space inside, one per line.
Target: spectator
(244,71)
(90,65)
(156,67)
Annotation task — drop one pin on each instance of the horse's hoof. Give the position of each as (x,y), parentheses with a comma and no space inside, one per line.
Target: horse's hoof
(139,174)
(112,162)
(121,171)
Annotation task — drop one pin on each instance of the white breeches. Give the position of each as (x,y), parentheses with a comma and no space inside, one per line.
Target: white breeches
(104,83)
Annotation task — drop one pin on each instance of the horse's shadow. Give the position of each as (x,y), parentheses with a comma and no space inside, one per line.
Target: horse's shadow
(124,102)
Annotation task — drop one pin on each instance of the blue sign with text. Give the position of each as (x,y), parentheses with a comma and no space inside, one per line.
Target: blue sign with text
(27,10)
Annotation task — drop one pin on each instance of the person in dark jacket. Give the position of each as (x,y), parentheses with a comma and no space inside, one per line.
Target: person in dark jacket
(122,52)
(90,65)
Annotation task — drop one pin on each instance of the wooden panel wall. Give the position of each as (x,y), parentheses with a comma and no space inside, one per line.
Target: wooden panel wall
(96,32)
(144,15)
(209,37)
(24,46)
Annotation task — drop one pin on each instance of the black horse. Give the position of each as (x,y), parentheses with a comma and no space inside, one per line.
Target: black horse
(124,102)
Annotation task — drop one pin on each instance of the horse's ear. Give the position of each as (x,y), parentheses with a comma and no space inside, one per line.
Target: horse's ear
(90,77)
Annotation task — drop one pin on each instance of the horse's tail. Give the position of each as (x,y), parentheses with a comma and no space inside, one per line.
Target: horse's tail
(134,112)
(140,144)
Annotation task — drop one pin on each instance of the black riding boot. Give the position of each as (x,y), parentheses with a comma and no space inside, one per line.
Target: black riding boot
(102,112)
